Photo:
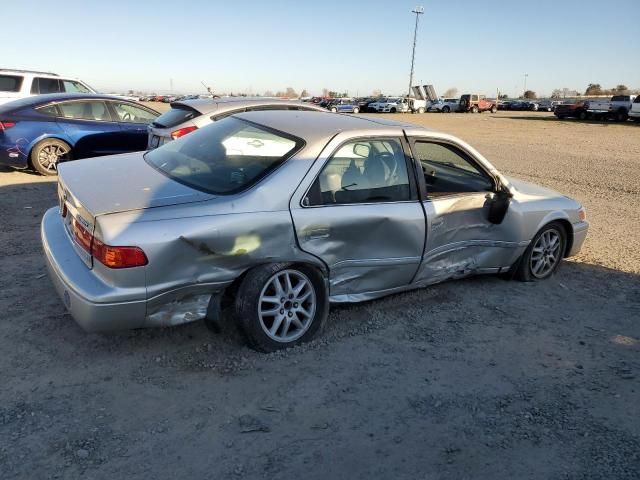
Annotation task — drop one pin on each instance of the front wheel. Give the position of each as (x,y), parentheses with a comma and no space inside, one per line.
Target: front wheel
(544,254)
(474,109)
(356,110)
(393,110)
(333,109)
(280,306)
(583,115)
(494,109)
(421,110)
(46,155)
(446,109)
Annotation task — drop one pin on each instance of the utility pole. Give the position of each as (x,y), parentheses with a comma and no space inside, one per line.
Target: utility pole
(525,84)
(418,11)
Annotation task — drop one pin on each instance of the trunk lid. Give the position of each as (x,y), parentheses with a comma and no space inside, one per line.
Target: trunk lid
(120,183)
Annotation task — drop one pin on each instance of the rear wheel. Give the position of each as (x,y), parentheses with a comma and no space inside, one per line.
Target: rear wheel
(280,306)
(544,254)
(356,110)
(446,109)
(421,110)
(494,109)
(393,110)
(583,115)
(474,109)
(47,154)
(622,115)
(333,109)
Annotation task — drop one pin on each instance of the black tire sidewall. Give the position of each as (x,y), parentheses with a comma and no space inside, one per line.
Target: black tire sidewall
(523,271)
(246,305)
(33,157)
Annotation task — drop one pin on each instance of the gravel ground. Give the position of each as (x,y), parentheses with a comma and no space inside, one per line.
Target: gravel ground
(475,379)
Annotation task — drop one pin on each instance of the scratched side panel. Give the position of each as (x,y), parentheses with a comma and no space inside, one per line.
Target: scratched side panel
(461,241)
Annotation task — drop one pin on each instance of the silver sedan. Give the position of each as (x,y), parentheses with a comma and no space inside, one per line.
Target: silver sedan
(276,214)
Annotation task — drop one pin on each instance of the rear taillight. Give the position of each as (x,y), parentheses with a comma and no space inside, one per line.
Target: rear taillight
(182,131)
(82,236)
(112,257)
(118,257)
(4,125)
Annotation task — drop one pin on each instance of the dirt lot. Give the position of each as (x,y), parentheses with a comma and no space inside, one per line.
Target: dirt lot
(475,379)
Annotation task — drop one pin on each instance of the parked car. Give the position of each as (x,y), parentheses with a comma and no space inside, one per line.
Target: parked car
(571,110)
(620,106)
(445,105)
(412,105)
(386,105)
(276,214)
(634,113)
(547,105)
(475,103)
(186,116)
(343,105)
(365,105)
(44,130)
(597,109)
(16,84)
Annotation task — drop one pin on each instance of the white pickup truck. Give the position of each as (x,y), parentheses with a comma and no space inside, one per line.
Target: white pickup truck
(634,113)
(617,108)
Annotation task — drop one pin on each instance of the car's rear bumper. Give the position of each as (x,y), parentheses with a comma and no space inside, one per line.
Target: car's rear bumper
(12,154)
(633,114)
(84,295)
(579,235)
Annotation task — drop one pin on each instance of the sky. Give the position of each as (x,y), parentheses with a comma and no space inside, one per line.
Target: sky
(476,46)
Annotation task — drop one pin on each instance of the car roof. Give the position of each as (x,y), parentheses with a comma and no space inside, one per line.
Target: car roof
(209,105)
(313,126)
(37,100)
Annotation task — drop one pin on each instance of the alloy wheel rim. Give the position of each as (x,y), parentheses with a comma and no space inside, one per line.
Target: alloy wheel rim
(49,156)
(287,306)
(546,253)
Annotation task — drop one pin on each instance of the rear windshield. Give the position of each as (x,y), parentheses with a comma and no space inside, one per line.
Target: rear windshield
(10,83)
(175,116)
(620,98)
(637,100)
(225,157)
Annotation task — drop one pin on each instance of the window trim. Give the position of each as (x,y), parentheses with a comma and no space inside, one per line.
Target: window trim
(409,161)
(422,186)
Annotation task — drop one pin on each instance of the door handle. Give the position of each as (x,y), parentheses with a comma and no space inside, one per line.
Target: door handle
(316,231)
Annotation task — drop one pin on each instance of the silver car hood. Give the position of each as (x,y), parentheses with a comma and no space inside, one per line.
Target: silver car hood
(120,183)
(531,189)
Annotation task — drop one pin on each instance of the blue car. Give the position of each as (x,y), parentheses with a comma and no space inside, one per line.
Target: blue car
(343,105)
(43,130)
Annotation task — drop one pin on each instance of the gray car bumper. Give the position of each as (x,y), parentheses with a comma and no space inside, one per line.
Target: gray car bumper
(579,234)
(85,296)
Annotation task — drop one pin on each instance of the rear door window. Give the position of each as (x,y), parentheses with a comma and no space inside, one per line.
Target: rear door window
(93,110)
(176,115)
(10,83)
(46,85)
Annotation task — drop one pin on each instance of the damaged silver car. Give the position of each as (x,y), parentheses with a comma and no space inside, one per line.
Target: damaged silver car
(277,214)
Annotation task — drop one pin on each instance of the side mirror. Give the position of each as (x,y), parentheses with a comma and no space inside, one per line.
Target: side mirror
(361,149)
(499,205)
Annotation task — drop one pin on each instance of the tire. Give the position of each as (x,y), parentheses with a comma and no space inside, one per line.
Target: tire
(356,110)
(583,115)
(494,109)
(42,156)
(529,268)
(258,321)
(446,109)
(421,110)
(622,115)
(474,109)
(393,110)
(333,109)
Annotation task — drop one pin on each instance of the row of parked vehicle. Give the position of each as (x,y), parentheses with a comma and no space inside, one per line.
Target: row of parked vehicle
(172,98)
(619,108)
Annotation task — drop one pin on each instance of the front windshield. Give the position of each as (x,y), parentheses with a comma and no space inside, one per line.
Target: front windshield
(225,157)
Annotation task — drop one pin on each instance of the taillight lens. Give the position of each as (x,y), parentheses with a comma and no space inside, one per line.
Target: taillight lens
(112,257)
(82,236)
(182,131)
(4,125)
(118,257)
